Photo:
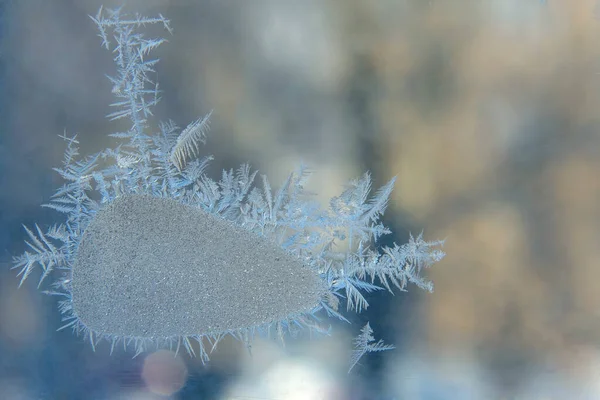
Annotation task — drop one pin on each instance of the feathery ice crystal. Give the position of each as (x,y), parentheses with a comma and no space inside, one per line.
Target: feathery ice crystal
(154,253)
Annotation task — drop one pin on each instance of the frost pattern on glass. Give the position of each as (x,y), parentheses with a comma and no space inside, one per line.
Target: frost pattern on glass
(166,163)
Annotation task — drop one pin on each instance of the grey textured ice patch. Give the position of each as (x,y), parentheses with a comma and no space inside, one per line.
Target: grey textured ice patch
(152,267)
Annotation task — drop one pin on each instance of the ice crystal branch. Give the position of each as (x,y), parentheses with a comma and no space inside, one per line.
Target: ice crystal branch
(130,86)
(365,343)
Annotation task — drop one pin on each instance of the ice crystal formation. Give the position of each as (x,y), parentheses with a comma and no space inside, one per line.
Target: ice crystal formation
(155,253)
(365,343)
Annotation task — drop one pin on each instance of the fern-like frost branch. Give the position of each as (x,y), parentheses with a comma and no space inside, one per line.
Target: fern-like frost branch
(364,343)
(189,141)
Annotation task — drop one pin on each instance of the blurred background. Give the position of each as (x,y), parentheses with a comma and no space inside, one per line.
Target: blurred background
(486,110)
